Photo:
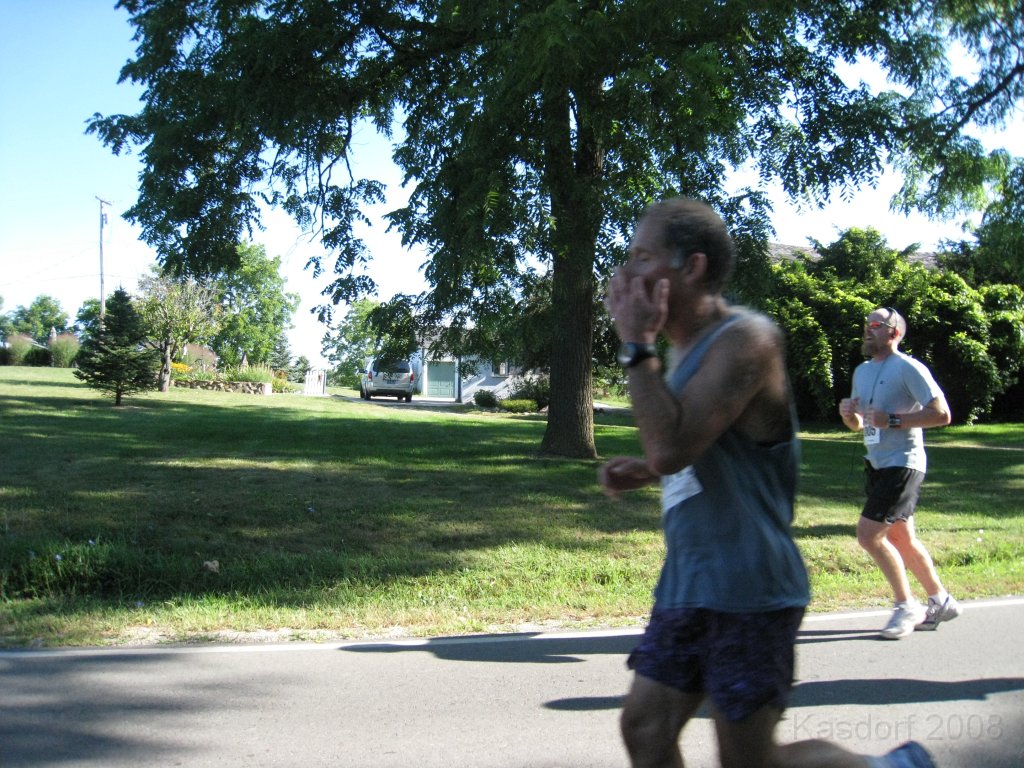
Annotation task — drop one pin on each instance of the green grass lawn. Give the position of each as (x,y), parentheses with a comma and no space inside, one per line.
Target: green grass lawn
(195,515)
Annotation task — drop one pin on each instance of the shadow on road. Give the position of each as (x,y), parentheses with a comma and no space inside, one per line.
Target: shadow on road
(518,648)
(535,648)
(538,648)
(899,690)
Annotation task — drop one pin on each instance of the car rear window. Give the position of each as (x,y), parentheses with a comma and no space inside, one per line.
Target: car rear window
(400,367)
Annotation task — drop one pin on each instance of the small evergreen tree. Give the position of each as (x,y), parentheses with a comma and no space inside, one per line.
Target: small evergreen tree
(113,358)
(281,357)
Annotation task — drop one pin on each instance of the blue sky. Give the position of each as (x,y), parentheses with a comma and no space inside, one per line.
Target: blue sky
(59,64)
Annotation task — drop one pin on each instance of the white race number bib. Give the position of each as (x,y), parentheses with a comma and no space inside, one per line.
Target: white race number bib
(679,487)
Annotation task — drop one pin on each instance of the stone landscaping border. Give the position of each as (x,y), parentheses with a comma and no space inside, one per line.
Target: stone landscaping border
(245,387)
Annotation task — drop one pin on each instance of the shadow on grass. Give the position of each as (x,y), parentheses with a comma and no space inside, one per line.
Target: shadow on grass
(283,495)
(192,493)
(825,531)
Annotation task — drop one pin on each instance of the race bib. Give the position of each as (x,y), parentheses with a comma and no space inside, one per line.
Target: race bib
(872,435)
(678,487)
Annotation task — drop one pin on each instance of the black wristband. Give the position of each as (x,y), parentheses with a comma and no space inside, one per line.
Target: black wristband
(632,353)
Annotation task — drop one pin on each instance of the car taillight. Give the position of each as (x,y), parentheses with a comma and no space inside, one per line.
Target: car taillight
(412,376)
(369,375)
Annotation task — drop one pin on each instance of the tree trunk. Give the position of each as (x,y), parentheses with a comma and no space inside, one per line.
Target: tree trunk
(165,370)
(575,204)
(570,427)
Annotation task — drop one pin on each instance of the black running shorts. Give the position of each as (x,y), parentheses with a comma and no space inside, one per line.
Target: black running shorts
(892,493)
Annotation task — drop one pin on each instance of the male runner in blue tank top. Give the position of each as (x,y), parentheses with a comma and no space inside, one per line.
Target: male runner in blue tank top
(893,399)
(719,434)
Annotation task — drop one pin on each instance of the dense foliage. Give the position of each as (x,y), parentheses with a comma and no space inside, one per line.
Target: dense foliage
(241,315)
(17,349)
(971,338)
(350,342)
(39,320)
(997,255)
(255,308)
(88,317)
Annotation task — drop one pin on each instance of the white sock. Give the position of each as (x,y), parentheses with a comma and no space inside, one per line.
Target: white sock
(939,597)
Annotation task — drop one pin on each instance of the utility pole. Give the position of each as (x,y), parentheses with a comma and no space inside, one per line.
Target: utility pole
(103,220)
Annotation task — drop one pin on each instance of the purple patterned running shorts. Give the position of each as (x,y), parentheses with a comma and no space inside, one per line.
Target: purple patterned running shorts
(742,661)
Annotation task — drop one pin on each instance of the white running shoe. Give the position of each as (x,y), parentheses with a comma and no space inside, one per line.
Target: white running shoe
(938,612)
(904,618)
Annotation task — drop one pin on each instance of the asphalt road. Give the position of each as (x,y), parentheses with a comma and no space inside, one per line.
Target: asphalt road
(530,701)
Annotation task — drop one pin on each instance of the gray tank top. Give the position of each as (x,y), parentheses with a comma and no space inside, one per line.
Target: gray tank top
(727,520)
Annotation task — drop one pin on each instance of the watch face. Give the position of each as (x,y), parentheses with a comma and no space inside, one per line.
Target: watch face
(631,353)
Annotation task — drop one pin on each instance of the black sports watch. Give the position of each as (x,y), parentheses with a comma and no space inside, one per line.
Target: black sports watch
(632,352)
(895,422)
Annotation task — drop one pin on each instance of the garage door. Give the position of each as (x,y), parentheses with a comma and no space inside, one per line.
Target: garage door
(441,380)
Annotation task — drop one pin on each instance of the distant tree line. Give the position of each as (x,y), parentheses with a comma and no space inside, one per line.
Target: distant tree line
(241,316)
(964,307)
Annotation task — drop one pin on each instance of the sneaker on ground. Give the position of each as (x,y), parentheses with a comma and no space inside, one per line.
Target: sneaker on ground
(904,618)
(909,755)
(938,612)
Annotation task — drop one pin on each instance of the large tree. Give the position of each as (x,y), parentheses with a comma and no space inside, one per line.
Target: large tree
(531,135)
(256,308)
(176,312)
(948,170)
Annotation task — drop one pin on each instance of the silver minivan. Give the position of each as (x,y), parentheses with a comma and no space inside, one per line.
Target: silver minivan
(387,377)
